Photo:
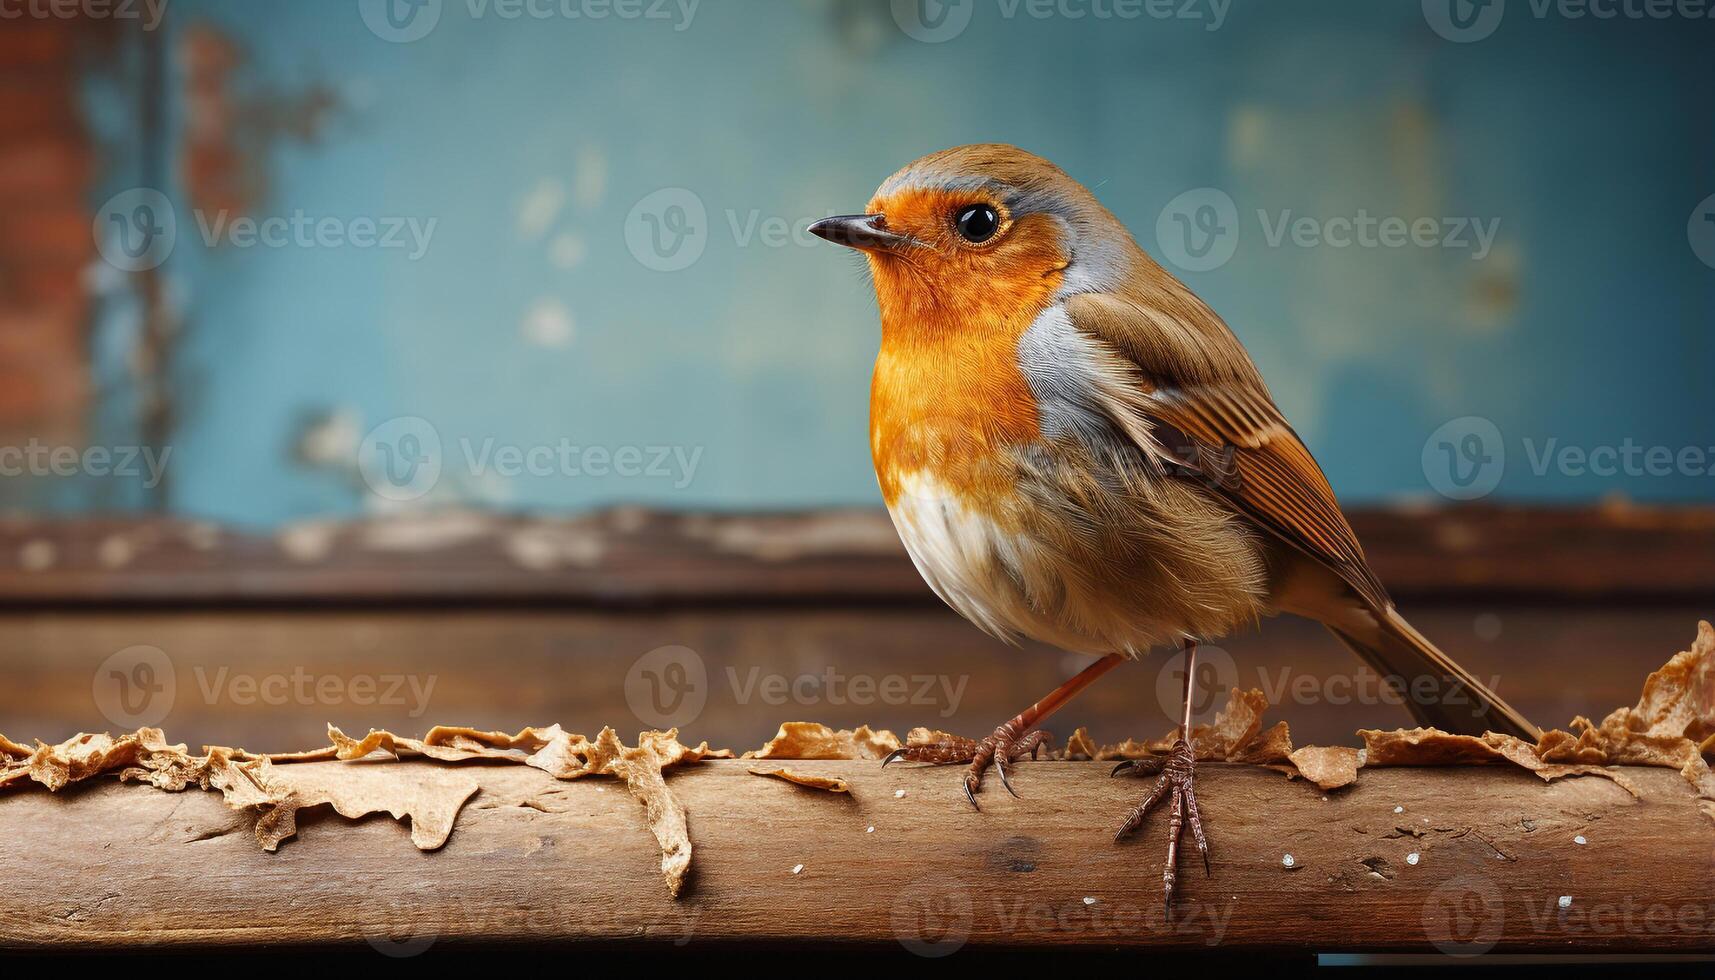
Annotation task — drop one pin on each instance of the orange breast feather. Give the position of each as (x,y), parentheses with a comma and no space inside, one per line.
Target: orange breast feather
(949,396)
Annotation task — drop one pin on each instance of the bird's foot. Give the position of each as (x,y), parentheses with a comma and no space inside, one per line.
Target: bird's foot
(1009,743)
(1178,775)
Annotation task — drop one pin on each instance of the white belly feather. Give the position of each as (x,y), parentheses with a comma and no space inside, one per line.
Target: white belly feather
(1010,584)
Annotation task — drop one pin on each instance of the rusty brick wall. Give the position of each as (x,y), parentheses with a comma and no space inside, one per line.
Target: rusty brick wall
(46,246)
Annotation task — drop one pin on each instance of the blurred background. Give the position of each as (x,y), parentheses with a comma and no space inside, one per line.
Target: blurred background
(402,362)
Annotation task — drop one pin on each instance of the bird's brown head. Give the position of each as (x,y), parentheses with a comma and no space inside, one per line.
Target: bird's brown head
(979,233)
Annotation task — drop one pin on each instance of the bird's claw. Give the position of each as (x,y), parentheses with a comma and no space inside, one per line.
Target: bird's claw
(1138,767)
(1176,784)
(1001,749)
(1000,767)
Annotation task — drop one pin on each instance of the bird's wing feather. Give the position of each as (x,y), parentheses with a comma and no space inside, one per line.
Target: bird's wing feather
(1209,415)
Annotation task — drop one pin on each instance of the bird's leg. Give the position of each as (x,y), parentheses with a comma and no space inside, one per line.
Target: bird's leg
(1176,783)
(1010,742)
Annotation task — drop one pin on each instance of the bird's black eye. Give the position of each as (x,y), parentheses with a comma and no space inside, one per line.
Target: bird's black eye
(977,223)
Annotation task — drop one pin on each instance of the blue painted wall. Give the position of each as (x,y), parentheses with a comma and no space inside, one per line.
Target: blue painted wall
(528,319)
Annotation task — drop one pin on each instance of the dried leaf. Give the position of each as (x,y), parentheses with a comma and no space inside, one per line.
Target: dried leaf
(1080,746)
(1329,767)
(1433,747)
(1236,736)
(641,768)
(1672,725)
(1272,747)
(1235,726)
(1679,699)
(564,756)
(430,797)
(809,740)
(832,784)
(86,755)
(445,744)
(1424,747)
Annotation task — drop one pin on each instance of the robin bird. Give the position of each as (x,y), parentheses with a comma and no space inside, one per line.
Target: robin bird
(1076,449)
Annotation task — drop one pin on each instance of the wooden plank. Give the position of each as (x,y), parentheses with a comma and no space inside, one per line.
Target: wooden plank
(271,679)
(635,557)
(534,859)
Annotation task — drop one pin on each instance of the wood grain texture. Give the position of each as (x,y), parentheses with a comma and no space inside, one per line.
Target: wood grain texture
(641,558)
(533,859)
(894,667)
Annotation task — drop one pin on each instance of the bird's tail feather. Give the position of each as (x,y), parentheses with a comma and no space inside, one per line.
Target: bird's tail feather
(1438,692)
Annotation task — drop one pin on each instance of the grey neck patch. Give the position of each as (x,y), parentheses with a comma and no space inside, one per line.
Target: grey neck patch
(1059,364)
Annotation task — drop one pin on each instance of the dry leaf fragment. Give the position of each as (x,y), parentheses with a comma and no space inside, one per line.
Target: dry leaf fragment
(1424,747)
(1271,747)
(809,740)
(1672,725)
(562,755)
(453,744)
(641,768)
(1236,736)
(1329,767)
(1080,746)
(85,755)
(832,784)
(1679,699)
(10,750)
(1433,747)
(1234,728)
(430,797)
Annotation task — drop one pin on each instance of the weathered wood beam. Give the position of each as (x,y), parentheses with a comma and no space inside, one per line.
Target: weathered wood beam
(636,557)
(532,859)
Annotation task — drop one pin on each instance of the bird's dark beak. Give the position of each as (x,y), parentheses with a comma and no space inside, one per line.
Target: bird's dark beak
(860,231)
